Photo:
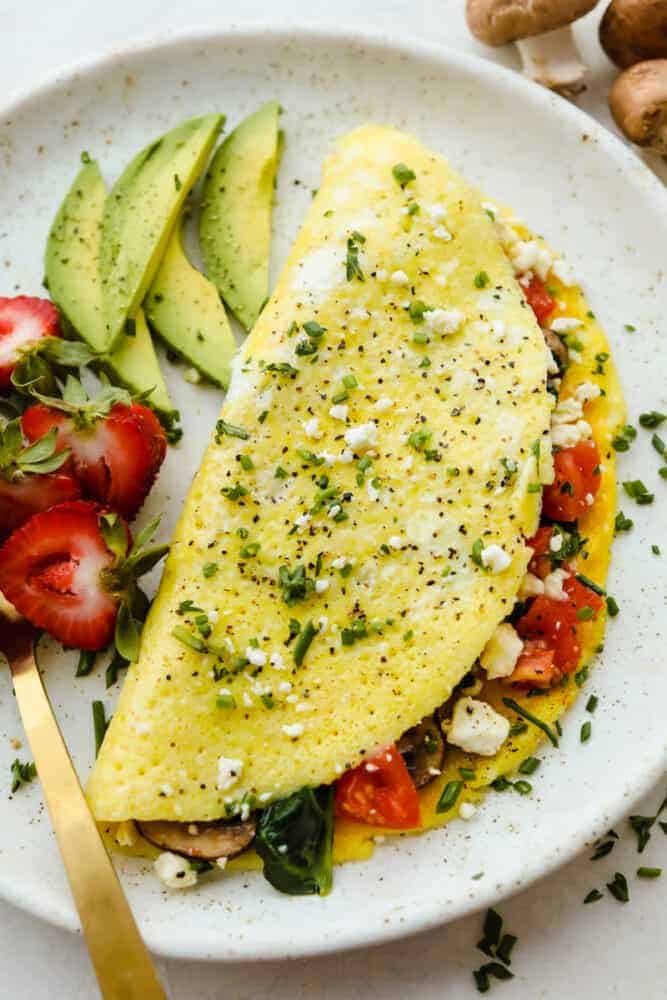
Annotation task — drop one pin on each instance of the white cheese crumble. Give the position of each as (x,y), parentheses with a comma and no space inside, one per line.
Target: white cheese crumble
(477,728)
(437,212)
(174,872)
(495,558)
(400,278)
(276,660)
(322,585)
(294,730)
(229,772)
(501,652)
(531,586)
(335,510)
(528,255)
(568,427)
(192,376)
(565,324)
(214,616)
(443,321)
(339,411)
(340,561)
(302,520)
(383,403)
(359,313)
(467,810)
(553,585)
(255,656)
(442,233)
(362,436)
(586,392)
(562,271)
(285,687)
(346,457)
(312,429)
(556,542)
(381,274)
(395,541)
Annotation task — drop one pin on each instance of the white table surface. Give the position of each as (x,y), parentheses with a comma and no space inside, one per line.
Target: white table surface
(565,949)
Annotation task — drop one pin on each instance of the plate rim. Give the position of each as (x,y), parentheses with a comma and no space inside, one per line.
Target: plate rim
(635,170)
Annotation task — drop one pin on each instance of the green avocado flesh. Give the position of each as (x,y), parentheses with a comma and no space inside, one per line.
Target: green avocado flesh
(235,221)
(72,273)
(185,309)
(140,212)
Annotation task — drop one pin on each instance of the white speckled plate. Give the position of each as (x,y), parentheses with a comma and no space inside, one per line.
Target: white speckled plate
(591,198)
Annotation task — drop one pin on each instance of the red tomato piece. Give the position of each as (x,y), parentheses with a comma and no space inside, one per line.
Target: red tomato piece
(535,667)
(539,300)
(577,477)
(556,622)
(380,792)
(540,563)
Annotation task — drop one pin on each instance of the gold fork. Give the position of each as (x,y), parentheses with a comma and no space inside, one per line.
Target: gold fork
(123,967)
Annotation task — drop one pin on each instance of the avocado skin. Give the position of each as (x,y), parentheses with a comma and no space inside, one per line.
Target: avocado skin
(140,212)
(184,308)
(235,219)
(72,272)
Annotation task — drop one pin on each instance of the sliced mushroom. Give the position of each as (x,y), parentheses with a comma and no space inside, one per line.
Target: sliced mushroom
(638,102)
(558,348)
(543,33)
(423,750)
(632,31)
(208,841)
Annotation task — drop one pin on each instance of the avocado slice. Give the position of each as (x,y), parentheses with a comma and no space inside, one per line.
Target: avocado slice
(184,308)
(71,264)
(140,212)
(235,220)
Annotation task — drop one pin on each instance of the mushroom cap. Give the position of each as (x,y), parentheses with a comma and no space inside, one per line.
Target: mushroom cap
(498,22)
(638,102)
(207,841)
(632,31)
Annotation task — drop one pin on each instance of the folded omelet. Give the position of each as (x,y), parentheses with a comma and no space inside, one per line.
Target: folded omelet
(353,538)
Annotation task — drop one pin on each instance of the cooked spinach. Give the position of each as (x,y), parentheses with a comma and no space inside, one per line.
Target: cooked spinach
(294,840)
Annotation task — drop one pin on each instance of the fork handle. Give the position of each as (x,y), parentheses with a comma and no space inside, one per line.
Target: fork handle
(122,964)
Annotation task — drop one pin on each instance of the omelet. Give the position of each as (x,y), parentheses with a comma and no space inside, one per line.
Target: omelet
(352,539)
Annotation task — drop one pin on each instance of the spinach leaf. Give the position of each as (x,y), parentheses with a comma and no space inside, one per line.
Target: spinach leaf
(294,840)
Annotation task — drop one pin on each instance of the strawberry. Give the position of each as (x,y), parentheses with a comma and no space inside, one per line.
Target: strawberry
(24,322)
(71,570)
(117,445)
(31,479)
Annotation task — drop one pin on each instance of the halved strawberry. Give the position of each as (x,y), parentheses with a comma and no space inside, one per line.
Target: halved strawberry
(31,479)
(117,446)
(24,321)
(71,571)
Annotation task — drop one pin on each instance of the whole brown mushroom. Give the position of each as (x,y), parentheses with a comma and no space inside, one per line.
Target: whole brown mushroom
(543,33)
(632,31)
(638,102)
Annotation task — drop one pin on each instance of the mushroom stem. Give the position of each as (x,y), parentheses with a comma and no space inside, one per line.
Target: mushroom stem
(553,60)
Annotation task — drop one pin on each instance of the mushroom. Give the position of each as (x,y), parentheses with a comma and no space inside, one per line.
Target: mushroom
(423,750)
(208,841)
(543,33)
(638,102)
(558,348)
(632,31)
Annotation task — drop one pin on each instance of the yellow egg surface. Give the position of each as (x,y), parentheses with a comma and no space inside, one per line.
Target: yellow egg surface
(334,539)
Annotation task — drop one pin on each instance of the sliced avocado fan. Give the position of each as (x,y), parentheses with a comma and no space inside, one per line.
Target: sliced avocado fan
(184,308)
(72,273)
(140,212)
(235,220)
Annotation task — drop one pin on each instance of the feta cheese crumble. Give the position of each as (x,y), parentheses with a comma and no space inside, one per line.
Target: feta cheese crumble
(495,558)
(383,403)
(339,411)
(443,321)
(174,872)
(442,233)
(501,652)
(395,541)
(294,730)
(531,586)
(568,427)
(467,810)
(312,429)
(565,324)
(362,436)
(322,585)
(255,656)
(477,728)
(553,585)
(229,772)
(400,278)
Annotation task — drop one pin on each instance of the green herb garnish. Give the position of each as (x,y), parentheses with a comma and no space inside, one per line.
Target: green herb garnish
(231,430)
(22,774)
(548,732)
(306,636)
(450,794)
(403,174)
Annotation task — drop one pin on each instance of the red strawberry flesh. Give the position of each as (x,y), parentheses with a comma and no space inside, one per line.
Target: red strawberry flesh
(50,570)
(30,494)
(24,321)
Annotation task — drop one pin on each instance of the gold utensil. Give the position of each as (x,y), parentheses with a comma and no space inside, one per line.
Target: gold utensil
(122,964)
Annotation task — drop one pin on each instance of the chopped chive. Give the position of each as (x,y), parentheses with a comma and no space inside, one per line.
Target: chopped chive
(529,766)
(649,872)
(618,887)
(519,727)
(592,703)
(408,635)
(655,549)
(602,849)
(314,330)
(340,397)
(467,773)
(585,614)
(658,444)
(652,419)
(222,427)
(592,896)
(250,550)
(209,569)
(585,733)
(85,663)
(267,700)
(504,949)
(493,926)
(403,174)
(350,382)
(500,784)
(548,732)
(306,636)
(636,490)
(23,773)
(225,701)
(246,463)
(280,473)
(612,606)
(188,638)
(523,787)
(450,794)
(481,279)
(587,582)
(622,523)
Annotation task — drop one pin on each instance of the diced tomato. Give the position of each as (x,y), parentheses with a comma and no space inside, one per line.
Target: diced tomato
(380,792)
(556,622)
(577,478)
(535,667)
(540,563)
(539,300)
